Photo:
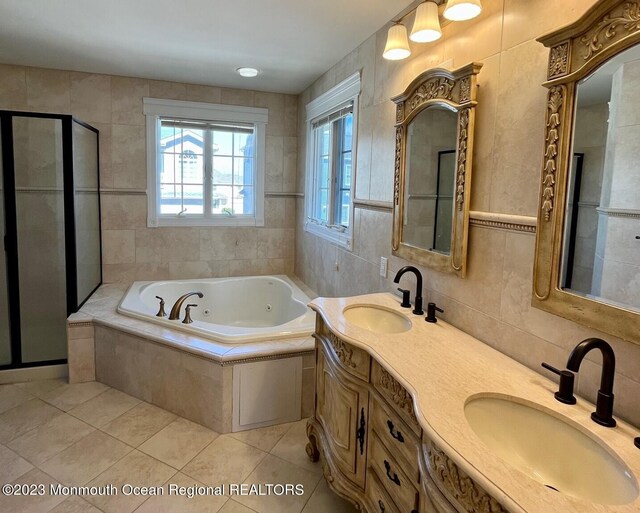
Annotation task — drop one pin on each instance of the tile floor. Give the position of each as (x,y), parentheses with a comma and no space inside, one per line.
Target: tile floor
(89,434)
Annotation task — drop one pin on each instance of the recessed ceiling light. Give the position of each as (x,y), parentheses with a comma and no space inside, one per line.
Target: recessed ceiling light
(247,72)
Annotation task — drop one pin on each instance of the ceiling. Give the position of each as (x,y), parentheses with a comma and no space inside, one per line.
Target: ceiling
(596,88)
(292,42)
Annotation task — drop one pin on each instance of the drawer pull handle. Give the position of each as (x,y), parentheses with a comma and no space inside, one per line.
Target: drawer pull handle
(397,435)
(361,431)
(393,478)
(381,506)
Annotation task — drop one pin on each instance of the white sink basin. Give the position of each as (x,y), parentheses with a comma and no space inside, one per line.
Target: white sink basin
(376,318)
(551,451)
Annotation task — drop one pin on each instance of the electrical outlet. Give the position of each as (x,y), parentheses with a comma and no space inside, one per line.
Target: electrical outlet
(383,267)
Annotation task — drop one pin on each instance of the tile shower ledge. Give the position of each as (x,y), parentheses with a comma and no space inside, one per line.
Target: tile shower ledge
(100,309)
(442,367)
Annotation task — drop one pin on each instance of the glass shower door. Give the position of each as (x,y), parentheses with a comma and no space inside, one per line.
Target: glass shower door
(40,222)
(87,210)
(5,334)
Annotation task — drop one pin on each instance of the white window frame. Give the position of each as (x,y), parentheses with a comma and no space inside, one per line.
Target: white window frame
(345,91)
(155,109)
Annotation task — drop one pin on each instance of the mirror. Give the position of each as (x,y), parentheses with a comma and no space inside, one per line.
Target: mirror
(430,178)
(588,242)
(434,146)
(601,253)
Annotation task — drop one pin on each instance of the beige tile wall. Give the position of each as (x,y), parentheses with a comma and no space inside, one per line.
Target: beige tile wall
(132,251)
(493,302)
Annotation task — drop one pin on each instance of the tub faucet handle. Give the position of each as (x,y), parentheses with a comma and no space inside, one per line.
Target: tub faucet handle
(187,314)
(161,312)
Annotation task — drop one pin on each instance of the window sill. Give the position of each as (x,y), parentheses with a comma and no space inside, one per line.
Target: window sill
(201,221)
(342,239)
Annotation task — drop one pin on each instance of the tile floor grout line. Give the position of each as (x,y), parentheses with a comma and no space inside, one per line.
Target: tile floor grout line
(55,454)
(294,464)
(199,452)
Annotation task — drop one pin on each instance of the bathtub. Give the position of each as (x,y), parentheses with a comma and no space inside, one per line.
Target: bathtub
(232,310)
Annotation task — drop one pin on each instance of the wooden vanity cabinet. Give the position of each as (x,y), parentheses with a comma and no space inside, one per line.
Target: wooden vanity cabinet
(373,450)
(342,411)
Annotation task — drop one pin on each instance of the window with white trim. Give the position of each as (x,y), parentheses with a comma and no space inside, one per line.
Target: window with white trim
(205,164)
(331,122)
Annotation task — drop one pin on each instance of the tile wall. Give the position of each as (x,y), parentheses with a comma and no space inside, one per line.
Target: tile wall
(494,302)
(131,251)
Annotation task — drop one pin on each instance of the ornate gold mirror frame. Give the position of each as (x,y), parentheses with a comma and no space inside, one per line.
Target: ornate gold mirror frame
(607,29)
(457,89)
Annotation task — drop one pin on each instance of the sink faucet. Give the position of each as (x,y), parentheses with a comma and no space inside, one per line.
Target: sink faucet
(604,403)
(175,310)
(418,301)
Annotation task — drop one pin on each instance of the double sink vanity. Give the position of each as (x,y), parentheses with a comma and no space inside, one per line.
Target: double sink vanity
(419,417)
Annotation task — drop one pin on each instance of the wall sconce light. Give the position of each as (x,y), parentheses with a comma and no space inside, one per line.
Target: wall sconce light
(426,25)
(460,10)
(397,46)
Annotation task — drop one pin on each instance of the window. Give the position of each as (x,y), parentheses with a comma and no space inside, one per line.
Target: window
(331,122)
(205,164)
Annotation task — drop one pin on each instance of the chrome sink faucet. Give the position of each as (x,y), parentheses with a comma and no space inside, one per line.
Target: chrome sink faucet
(604,403)
(418,301)
(175,310)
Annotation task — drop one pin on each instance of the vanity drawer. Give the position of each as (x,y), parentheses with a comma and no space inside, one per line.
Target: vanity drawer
(353,360)
(396,435)
(396,483)
(379,501)
(396,395)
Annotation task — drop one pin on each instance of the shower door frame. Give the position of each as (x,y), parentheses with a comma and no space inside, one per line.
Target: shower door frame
(10,242)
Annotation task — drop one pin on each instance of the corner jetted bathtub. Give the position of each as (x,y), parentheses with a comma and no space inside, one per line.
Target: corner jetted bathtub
(232,310)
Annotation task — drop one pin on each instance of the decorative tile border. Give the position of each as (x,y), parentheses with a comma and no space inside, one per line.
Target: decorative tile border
(619,212)
(509,222)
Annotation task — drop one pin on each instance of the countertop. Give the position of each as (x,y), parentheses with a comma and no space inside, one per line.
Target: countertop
(442,367)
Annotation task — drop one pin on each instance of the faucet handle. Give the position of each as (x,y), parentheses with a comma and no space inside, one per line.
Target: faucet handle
(406,298)
(432,308)
(161,312)
(187,314)
(565,391)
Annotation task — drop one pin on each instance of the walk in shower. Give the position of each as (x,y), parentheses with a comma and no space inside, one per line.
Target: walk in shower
(50,222)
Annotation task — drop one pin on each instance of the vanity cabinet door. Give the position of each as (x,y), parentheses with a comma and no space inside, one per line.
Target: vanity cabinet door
(341,408)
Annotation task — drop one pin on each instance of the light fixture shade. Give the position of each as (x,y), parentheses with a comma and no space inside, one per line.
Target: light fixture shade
(426,26)
(460,10)
(247,72)
(397,47)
